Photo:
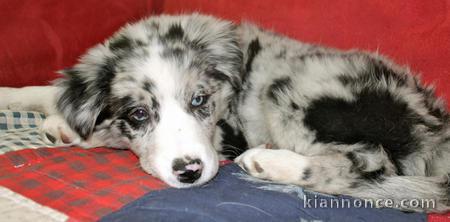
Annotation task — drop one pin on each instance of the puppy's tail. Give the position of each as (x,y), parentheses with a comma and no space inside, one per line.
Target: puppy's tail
(409,193)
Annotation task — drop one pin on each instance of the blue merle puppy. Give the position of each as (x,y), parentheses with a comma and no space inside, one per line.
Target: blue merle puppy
(184,91)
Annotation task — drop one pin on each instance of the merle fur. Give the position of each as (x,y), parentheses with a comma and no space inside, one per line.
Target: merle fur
(387,128)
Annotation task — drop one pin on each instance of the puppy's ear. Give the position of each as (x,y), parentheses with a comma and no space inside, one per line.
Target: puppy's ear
(230,59)
(217,42)
(83,94)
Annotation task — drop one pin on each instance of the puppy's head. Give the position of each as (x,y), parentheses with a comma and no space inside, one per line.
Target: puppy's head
(158,87)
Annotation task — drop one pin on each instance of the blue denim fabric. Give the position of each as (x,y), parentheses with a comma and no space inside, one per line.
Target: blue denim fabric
(231,197)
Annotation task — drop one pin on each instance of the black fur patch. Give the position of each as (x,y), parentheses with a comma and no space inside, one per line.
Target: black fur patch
(359,165)
(125,129)
(175,32)
(123,103)
(378,71)
(253,49)
(148,86)
(382,71)
(177,52)
(430,95)
(278,87)
(216,74)
(121,43)
(376,175)
(75,89)
(352,157)
(105,76)
(294,106)
(51,138)
(104,115)
(233,141)
(155,109)
(307,174)
(374,118)
(222,77)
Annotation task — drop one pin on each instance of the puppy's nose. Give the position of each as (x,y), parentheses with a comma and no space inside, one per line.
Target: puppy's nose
(187,170)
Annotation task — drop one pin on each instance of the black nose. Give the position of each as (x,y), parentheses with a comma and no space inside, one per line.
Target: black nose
(187,170)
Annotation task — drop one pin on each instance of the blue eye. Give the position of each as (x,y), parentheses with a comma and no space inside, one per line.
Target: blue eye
(139,114)
(198,101)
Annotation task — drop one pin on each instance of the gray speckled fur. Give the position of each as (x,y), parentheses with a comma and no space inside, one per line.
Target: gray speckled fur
(314,72)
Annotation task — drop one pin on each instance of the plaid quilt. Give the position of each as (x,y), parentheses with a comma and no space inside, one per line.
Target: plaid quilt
(19,130)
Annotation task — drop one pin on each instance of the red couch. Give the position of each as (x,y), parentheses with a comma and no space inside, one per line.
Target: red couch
(39,37)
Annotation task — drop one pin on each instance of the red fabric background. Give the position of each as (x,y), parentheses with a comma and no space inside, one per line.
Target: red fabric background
(40,37)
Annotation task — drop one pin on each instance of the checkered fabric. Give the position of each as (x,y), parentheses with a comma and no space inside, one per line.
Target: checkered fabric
(13,120)
(84,184)
(19,130)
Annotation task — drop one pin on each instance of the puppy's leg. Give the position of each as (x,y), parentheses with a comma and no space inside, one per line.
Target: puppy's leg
(328,173)
(32,98)
(359,173)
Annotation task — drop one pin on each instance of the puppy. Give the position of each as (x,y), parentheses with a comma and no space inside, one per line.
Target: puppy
(184,91)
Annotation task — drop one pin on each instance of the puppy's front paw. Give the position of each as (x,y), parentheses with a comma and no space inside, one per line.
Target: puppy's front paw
(250,161)
(56,131)
(282,166)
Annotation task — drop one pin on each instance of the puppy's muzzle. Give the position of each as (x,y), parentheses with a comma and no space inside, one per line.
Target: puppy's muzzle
(187,170)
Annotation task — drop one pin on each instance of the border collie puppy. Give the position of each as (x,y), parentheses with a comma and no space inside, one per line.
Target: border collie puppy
(180,91)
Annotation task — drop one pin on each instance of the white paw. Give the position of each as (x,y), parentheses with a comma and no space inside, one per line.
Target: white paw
(282,166)
(56,131)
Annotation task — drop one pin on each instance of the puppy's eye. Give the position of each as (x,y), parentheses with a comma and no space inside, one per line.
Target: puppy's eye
(199,100)
(139,114)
